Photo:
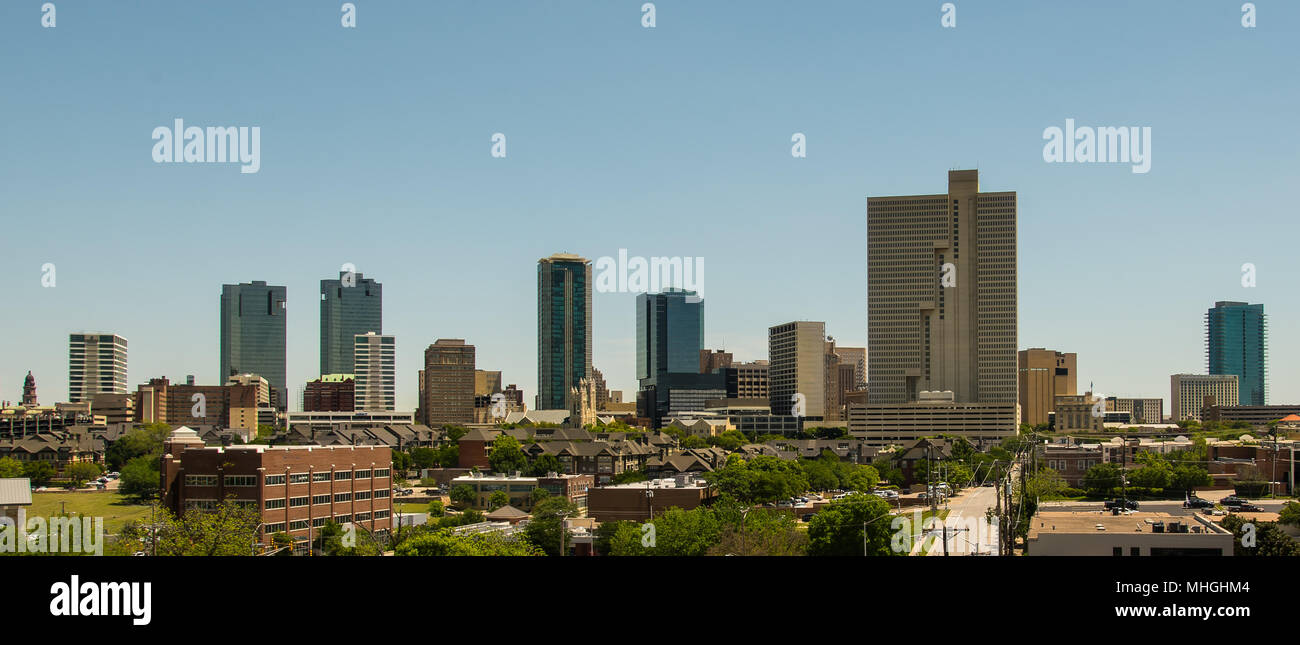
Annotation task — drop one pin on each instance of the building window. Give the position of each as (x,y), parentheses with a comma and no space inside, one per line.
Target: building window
(298,525)
(342,474)
(299,478)
(362,494)
(362,517)
(275,528)
(272,504)
(381,493)
(319,522)
(379,515)
(381,472)
(201,504)
(241,480)
(320,477)
(297,501)
(1136,550)
(342,519)
(342,497)
(362,474)
(1117,551)
(200,480)
(274,480)
(320,499)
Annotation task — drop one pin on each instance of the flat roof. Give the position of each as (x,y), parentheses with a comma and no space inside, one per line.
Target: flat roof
(1074,522)
(15,491)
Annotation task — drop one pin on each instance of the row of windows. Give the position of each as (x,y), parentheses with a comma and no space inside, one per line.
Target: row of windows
(300,478)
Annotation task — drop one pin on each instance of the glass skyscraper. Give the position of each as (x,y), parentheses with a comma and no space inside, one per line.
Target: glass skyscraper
(563,328)
(669,333)
(349,307)
(253,334)
(1235,343)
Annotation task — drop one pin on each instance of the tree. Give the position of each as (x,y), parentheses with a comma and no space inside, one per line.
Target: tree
(1186,477)
(436,508)
(546,530)
(1046,484)
(454,433)
(497,499)
(140,478)
(401,463)
(423,458)
(444,543)
(619,537)
(1101,479)
(543,465)
(331,539)
(1157,473)
(756,532)
(144,440)
(81,472)
(230,529)
(729,440)
(694,442)
(40,472)
(628,477)
(537,496)
(10,468)
(1289,515)
(506,456)
(1269,538)
(463,496)
(838,528)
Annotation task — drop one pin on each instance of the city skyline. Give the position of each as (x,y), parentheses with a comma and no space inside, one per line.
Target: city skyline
(723,187)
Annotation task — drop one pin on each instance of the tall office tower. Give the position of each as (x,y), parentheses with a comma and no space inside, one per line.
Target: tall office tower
(711,360)
(96,365)
(669,344)
(253,335)
(941,294)
(1191,393)
(1236,343)
(857,357)
(1043,375)
(669,334)
(375,379)
(564,328)
(349,306)
(448,395)
(29,391)
(797,365)
(1140,410)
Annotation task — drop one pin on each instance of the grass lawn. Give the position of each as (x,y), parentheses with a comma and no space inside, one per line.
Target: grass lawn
(109,505)
(408,507)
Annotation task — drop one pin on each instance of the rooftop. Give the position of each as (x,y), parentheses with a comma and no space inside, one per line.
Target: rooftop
(1057,522)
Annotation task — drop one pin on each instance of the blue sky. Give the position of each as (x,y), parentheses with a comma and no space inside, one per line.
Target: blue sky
(672,141)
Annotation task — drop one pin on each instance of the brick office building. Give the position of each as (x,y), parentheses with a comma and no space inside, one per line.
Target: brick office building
(296,488)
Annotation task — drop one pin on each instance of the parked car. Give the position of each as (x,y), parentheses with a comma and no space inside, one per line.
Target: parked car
(1249,508)
(1232,500)
(1197,502)
(1122,503)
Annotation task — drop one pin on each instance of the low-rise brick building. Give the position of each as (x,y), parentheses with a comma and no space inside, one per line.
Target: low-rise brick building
(296,489)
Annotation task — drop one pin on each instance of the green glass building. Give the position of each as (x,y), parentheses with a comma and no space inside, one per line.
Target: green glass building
(1235,343)
(563,328)
(253,334)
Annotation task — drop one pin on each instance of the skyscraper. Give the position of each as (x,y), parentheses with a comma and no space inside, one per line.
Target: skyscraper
(1189,394)
(375,382)
(797,364)
(941,294)
(96,365)
(349,306)
(563,328)
(447,380)
(1236,343)
(253,334)
(669,333)
(1043,375)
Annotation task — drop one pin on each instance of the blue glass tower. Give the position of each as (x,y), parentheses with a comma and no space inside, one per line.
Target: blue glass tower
(1235,343)
(563,328)
(351,306)
(253,334)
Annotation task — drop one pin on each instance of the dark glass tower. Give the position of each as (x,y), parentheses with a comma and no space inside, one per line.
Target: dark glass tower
(253,334)
(669,333)
(563,328)
(1235,343)
(348,308)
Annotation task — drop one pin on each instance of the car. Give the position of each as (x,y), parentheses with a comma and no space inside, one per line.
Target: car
(1249,508)
(1122,504)
(1197,502)
(1232,500)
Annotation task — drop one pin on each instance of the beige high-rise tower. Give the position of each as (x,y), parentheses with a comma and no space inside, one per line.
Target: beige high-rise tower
(941,294)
